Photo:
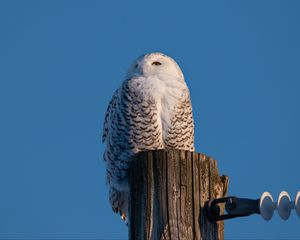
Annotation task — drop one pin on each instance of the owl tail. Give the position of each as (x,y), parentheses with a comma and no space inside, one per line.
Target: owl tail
(119,202)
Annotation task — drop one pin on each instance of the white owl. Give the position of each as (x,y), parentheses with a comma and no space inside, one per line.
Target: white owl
(151,110)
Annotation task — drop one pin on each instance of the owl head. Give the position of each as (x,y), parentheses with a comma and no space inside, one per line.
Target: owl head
(155,64)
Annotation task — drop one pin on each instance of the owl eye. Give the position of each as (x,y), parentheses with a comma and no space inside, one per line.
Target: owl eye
(156,63)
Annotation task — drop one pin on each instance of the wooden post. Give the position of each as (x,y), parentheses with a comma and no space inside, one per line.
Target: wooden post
(168,189)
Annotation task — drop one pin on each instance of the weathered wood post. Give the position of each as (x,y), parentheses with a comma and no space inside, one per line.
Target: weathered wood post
(168,189)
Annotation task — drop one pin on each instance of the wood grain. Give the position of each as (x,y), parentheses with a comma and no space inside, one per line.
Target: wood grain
(168,190)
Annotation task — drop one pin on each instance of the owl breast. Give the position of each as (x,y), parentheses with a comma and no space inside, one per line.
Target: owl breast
(165,113)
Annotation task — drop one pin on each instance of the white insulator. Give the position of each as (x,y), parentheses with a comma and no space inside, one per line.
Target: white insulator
(284,205)
(266,206)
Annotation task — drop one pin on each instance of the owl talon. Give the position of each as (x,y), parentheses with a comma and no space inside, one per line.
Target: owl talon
(123,216)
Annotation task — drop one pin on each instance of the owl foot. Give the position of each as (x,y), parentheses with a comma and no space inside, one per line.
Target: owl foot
(123,216)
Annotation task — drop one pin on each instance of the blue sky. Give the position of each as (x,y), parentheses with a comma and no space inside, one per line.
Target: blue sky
(60,62)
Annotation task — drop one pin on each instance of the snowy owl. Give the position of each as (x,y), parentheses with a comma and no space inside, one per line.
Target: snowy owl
(151,110)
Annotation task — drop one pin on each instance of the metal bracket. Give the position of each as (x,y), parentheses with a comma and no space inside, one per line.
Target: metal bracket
(234,206)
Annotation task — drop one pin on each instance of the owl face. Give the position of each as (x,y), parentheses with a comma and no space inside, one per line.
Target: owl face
(155,64)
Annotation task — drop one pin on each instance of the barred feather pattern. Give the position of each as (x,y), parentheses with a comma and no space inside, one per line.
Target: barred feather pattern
(147,112)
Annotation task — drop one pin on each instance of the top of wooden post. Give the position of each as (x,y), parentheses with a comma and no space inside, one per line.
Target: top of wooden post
(168,190)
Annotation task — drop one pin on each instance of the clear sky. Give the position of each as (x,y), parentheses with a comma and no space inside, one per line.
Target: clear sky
(60,62)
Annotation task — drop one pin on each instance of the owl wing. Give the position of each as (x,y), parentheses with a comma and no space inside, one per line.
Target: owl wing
(113,129)
(128,129)
(116,136)
(109,115)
